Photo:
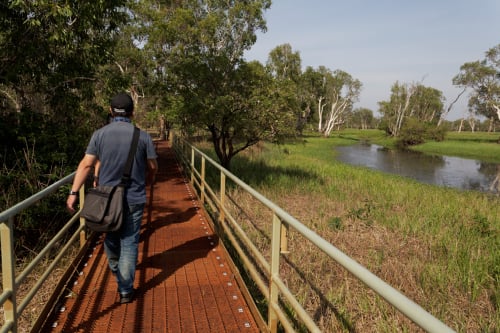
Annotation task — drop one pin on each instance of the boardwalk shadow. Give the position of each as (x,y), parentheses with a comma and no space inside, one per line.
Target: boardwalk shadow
(165,264)
(165,217)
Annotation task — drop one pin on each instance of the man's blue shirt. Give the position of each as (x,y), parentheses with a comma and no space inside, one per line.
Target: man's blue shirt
(111,145)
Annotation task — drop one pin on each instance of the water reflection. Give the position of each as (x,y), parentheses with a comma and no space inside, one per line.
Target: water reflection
(446,171)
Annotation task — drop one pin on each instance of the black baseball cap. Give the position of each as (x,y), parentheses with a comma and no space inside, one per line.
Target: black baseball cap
(122,104)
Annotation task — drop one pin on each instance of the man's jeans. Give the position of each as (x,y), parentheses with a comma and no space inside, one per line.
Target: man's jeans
(122,248)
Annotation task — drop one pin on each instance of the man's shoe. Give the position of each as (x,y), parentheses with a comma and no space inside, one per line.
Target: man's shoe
(127,298)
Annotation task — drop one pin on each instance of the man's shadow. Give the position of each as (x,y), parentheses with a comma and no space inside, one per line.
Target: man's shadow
(161,265)
(166,263)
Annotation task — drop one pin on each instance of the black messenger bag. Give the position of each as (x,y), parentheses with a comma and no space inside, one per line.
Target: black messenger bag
(103,205)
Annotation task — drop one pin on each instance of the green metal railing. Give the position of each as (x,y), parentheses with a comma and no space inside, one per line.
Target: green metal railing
(272,285)
(12,306)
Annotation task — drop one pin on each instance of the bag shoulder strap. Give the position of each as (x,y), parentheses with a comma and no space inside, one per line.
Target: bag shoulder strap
(128,165)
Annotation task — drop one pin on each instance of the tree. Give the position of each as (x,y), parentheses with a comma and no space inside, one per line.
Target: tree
(450,107)
(362,118)
(332,93)
(312,94)
(54,47)
(411,101)
(483,77)
(50,52)
(284,64)
(49,55)
(394,111)
(341,91)
(199,55)
(427,104)
(285,67)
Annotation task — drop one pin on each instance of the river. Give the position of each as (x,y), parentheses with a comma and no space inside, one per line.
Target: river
(448,171)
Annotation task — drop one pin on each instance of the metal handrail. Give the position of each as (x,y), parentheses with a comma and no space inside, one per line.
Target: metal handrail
(14,307)
(187,153)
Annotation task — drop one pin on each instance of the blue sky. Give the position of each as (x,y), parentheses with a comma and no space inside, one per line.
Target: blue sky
(380,42)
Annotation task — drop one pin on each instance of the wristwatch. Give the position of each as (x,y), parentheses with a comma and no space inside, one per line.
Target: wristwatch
(73,192)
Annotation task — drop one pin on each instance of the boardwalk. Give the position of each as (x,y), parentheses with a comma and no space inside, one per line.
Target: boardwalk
(184,280)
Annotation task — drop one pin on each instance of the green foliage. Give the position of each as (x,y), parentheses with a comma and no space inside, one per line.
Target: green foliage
(284,64)
(362,118)
(200,49)
(26,177)
(483,78)
(436,133)
(50,53)
(338,92)
(415,132)
(410,101)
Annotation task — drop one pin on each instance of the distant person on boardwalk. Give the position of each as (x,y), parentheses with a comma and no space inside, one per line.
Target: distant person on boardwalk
(110,146)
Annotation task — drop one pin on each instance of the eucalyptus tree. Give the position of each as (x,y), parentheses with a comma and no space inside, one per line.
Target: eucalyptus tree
(341,91)
(397,108)
(198,48)
(362,118)
(427,104)
(284,64)
(411,101)
(483,78)
(312,93)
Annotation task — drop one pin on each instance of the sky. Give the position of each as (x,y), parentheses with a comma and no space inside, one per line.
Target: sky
(380,42)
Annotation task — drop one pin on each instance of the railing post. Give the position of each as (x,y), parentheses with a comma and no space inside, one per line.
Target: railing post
(8,271)
(83,233)
(284,238)
(275,270)
(192,166)
(222,215)
(202,180)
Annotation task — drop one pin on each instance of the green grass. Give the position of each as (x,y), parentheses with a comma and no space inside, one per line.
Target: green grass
(473,136)
(458,231)
(478,150)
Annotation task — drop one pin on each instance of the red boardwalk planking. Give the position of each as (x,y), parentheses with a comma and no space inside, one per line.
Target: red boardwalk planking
(183,279)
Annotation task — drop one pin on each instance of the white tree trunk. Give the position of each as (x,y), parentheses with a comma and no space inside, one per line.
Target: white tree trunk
(336,115)
(497,108)
(472,123)
(321,108)
(450,107)
(402,109)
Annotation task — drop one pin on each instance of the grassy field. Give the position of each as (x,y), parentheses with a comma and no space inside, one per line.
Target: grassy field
(440,247)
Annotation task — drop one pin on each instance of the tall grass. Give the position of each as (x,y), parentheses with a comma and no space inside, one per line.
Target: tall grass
(440,246)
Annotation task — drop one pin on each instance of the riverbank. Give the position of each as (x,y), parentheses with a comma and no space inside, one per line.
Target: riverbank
(480,146)
(438,246)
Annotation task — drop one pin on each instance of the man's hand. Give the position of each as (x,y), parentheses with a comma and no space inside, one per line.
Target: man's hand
(70,203)
(151,171)
(86,164)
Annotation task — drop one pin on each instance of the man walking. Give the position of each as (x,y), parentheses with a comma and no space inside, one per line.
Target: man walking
(110,146)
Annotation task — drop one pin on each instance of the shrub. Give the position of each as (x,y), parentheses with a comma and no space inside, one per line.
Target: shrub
(415,132)
(412,133)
